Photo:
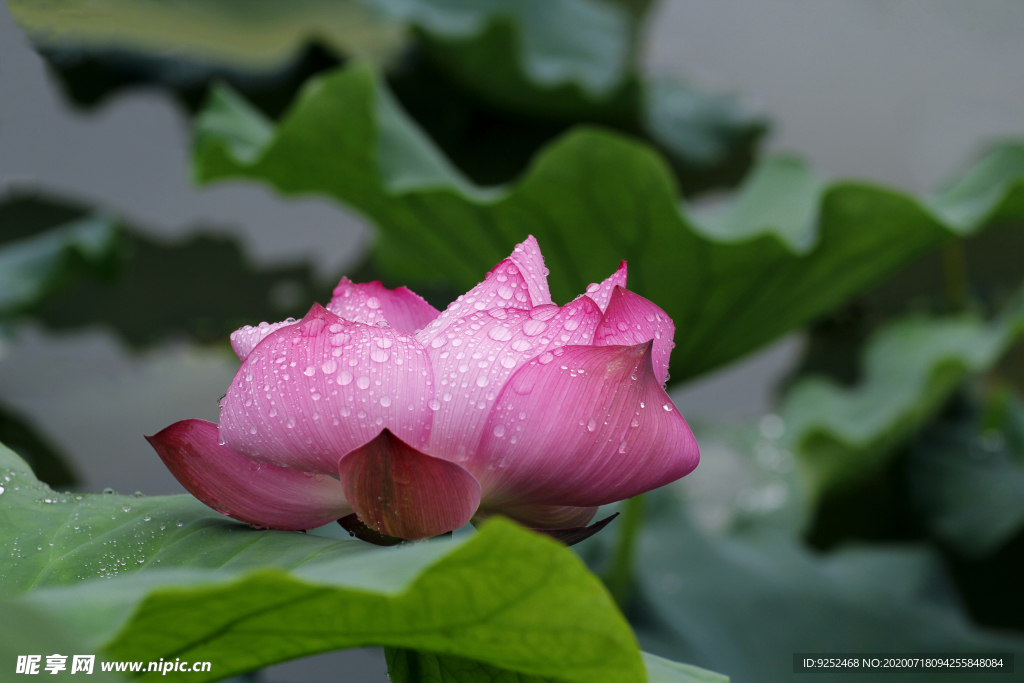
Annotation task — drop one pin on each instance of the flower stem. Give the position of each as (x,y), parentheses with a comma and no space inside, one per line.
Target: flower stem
(619,577)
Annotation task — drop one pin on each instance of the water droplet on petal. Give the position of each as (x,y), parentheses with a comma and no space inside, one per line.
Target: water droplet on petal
(385,401)
(532,328)
(499,431)
(500,333)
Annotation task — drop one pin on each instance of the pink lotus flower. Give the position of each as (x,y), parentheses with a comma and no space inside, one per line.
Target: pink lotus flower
(419,421)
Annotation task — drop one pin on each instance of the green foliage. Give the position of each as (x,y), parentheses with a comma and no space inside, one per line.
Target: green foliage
(967,477)
(787,249)
(45,459)
(743,604)
(39,257)
(911,368)
(41,635)
(239,33)
(195,585)
(134,284)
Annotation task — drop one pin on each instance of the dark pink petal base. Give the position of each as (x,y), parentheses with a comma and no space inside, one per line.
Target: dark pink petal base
(398,491)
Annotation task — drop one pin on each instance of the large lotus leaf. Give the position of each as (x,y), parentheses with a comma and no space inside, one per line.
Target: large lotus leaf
(910,368)
(250,34)
(37,634)
(967,478)
(541,44)
(747,480)
(745,606)
(40,263)
(142,578)
(141,295)
(46,460)
(785,250)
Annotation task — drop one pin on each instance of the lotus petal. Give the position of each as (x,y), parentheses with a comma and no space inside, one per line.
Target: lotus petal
(313,391)
(503,287)
(399,491)
(486,348)
(372,302)
(582,426)
(631,319)
(531,264)
(601,292)
(249,491)
(245,339)
(545,516)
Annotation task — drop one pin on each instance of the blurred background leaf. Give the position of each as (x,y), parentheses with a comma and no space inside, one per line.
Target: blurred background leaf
(789,248)
(490,82)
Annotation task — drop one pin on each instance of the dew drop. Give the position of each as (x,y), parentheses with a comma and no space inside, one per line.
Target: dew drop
(363,382)
(500,333)
(373,303)
(499,431)
(330,365)
(344,377)
(308,372)
(385,401)
(591,425)
(532,328)
(380,355)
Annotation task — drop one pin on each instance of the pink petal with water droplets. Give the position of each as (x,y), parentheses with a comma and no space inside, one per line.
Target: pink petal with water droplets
(313,391)
(582,426)
(631,319)
(245,339)
(485,349)
(504,288)
(531,264)
(399,491)
(601,292)
(372,302)
(234,485)
(545,516)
